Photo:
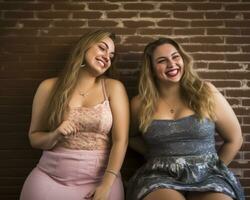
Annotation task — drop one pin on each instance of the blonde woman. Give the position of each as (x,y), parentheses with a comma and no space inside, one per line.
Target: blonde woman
(80,121)
(177,114)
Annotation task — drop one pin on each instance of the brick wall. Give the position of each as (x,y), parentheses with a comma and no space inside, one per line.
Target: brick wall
(36,35)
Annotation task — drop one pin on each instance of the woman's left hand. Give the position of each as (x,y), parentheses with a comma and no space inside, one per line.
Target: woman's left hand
(100,193)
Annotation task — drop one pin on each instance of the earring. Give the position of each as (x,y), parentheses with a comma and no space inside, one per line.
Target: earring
(82,65)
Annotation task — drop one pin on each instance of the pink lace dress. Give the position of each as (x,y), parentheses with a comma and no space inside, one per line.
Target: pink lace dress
(77,164)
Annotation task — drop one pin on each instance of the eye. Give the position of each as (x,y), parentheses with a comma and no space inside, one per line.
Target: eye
(101,47)
(161,61)
(176,56)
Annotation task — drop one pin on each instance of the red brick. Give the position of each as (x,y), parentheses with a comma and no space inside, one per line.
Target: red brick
(13,100)
(237,23)
(225,1)
(155,14)
(138,39)
(223,31)
(87,15)
(173,6)
(225,75)
(53,15)
(56,31)
(207,23)
(8,23)
(18,14)
(239,6)
(246,120)
(53,48)
(245,48)
(18,32)
(122,14)
(35,23)
(103,6)
(224,66)
(210,48)
(70,23)
(237,164)
(189,31)
(238,40)
(245,182)
(207,56)
(222,15)
(189,15)
(136,24)
(155,31)
(25,6)
(122,31)
(243,111)
(69,6)
(238,57)
(18,49)
(173,23)
(239,92)
(102,23)
(200,65)
(127,48)
(226,83)
(233,101)
(246,102)
(206,6)
(246,15)
(138,6)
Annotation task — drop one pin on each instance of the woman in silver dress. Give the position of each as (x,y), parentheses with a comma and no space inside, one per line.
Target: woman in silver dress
(178,115)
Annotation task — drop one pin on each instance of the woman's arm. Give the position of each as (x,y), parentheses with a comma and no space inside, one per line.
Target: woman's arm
(135,140)
(120,110)
(228,127)
(39,137)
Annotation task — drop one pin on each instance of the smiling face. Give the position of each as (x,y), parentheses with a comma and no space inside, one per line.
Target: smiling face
(99,56)
(167,63)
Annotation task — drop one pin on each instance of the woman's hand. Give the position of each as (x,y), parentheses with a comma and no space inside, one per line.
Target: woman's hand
(100,193)
(67,128)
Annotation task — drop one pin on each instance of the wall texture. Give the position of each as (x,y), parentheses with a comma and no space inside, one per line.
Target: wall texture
(36,35)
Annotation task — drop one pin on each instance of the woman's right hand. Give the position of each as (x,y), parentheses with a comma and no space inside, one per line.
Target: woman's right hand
(67,128)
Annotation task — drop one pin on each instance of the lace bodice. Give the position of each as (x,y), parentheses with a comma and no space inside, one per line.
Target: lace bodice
(94,124)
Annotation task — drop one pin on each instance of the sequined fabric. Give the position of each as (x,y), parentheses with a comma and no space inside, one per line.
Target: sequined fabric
(182,157)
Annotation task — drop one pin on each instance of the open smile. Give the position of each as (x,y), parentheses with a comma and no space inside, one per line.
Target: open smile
(172,73)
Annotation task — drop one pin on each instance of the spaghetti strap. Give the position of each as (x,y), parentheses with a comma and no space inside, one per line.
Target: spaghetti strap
(104,89)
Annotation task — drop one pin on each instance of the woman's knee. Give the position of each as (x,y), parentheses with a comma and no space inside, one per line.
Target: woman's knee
(165,194)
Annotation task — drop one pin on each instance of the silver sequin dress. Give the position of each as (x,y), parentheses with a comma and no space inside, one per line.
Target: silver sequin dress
(182,156)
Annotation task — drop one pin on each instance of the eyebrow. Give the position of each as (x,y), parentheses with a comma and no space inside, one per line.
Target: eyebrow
(176,52)
(113,53)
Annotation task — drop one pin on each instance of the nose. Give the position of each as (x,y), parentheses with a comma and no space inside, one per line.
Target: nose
(171,63)
(106,56)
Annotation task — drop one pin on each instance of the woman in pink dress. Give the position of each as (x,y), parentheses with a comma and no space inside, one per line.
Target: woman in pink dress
(80,121)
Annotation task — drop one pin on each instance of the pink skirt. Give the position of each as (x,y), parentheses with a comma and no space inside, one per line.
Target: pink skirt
(67,174)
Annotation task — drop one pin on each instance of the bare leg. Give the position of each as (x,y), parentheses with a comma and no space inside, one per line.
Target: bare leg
(208,196)
(164,194)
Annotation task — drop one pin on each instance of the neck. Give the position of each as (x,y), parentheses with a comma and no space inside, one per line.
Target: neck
(169,91)
(85,79)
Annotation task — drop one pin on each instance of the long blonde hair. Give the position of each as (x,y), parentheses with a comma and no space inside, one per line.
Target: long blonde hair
(67,79)
(195,93)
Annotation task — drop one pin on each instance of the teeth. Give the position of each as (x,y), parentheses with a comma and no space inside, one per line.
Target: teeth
(102,63)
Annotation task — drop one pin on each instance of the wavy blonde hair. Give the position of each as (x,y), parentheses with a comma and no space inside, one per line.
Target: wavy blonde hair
(196,94)
(67,79)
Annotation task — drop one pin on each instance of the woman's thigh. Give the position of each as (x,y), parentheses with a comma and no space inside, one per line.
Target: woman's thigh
(208,196)
(164,194)
(117,191)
